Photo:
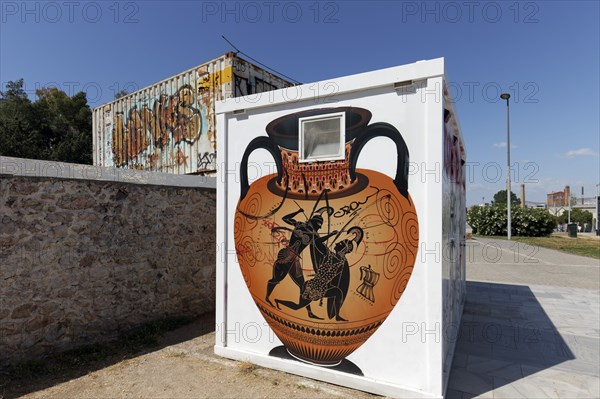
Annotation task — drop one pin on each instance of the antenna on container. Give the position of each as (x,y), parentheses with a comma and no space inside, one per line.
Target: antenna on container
(238,51)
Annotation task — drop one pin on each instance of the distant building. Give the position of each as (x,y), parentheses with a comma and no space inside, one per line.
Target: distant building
(535,204)
(561,201)
(559,198)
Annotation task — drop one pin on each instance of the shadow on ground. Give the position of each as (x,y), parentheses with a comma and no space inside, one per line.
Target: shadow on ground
(61,367)
(505,336)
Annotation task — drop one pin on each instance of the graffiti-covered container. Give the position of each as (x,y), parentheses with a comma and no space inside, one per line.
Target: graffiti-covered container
(170,126)
(325,249)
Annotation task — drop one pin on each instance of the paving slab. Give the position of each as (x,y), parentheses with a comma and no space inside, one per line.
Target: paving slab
(548,323)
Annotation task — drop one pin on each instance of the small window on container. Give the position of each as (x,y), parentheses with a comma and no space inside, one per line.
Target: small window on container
(321,137)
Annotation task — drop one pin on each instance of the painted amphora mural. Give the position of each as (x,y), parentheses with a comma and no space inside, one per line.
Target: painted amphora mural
(326,249)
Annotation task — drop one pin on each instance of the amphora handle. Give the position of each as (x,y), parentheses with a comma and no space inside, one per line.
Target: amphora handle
(263,143)
(382,129)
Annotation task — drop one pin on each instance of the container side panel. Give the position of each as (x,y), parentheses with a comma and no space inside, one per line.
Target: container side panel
(161,128)
(453,226)
(170,126)
(400,127)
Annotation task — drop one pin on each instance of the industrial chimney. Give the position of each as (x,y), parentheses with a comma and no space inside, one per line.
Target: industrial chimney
(567,196)
(522,195)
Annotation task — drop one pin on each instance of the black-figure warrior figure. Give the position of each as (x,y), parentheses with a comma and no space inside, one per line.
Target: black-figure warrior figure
(288,258)
(332,277)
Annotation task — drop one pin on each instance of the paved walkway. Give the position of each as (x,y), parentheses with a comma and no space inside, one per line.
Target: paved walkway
(518,263)
(531,325)
(530,328)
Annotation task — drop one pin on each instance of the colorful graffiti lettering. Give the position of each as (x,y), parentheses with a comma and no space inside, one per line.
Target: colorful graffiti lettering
(453,152)
(173,119)
(181,158)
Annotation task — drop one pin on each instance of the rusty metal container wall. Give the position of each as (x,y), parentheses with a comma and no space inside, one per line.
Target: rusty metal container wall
(170,126)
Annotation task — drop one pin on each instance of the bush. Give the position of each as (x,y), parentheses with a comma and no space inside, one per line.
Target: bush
(492,221)
(487,220)
(533,222)
(578,216)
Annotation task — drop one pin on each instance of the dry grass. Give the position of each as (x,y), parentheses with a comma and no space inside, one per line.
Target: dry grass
(582,245)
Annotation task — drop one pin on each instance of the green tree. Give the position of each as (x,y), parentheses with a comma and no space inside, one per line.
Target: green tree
(500,198)
(19,124)
(14,90)
(67,125)
(55,127)
(579,216)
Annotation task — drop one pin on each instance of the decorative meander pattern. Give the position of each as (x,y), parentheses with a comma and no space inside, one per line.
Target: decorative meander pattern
(314,177)
(322,336)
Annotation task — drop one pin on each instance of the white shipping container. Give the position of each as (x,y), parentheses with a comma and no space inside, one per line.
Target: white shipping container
(170,126)
(341,230)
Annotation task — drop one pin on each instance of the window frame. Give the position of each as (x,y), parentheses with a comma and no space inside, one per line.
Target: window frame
(341,116)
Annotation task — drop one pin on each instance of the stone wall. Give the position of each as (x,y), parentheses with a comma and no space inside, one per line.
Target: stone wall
(84,260)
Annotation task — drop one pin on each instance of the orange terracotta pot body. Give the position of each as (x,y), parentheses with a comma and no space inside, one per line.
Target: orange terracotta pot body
(326,250)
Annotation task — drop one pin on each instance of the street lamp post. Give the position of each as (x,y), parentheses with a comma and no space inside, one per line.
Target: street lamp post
(506,96)
(598,209)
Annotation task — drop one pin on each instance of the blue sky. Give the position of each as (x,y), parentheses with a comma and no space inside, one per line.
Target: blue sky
(545,53)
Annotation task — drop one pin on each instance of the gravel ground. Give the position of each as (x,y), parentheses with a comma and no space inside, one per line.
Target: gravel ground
(183,367)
